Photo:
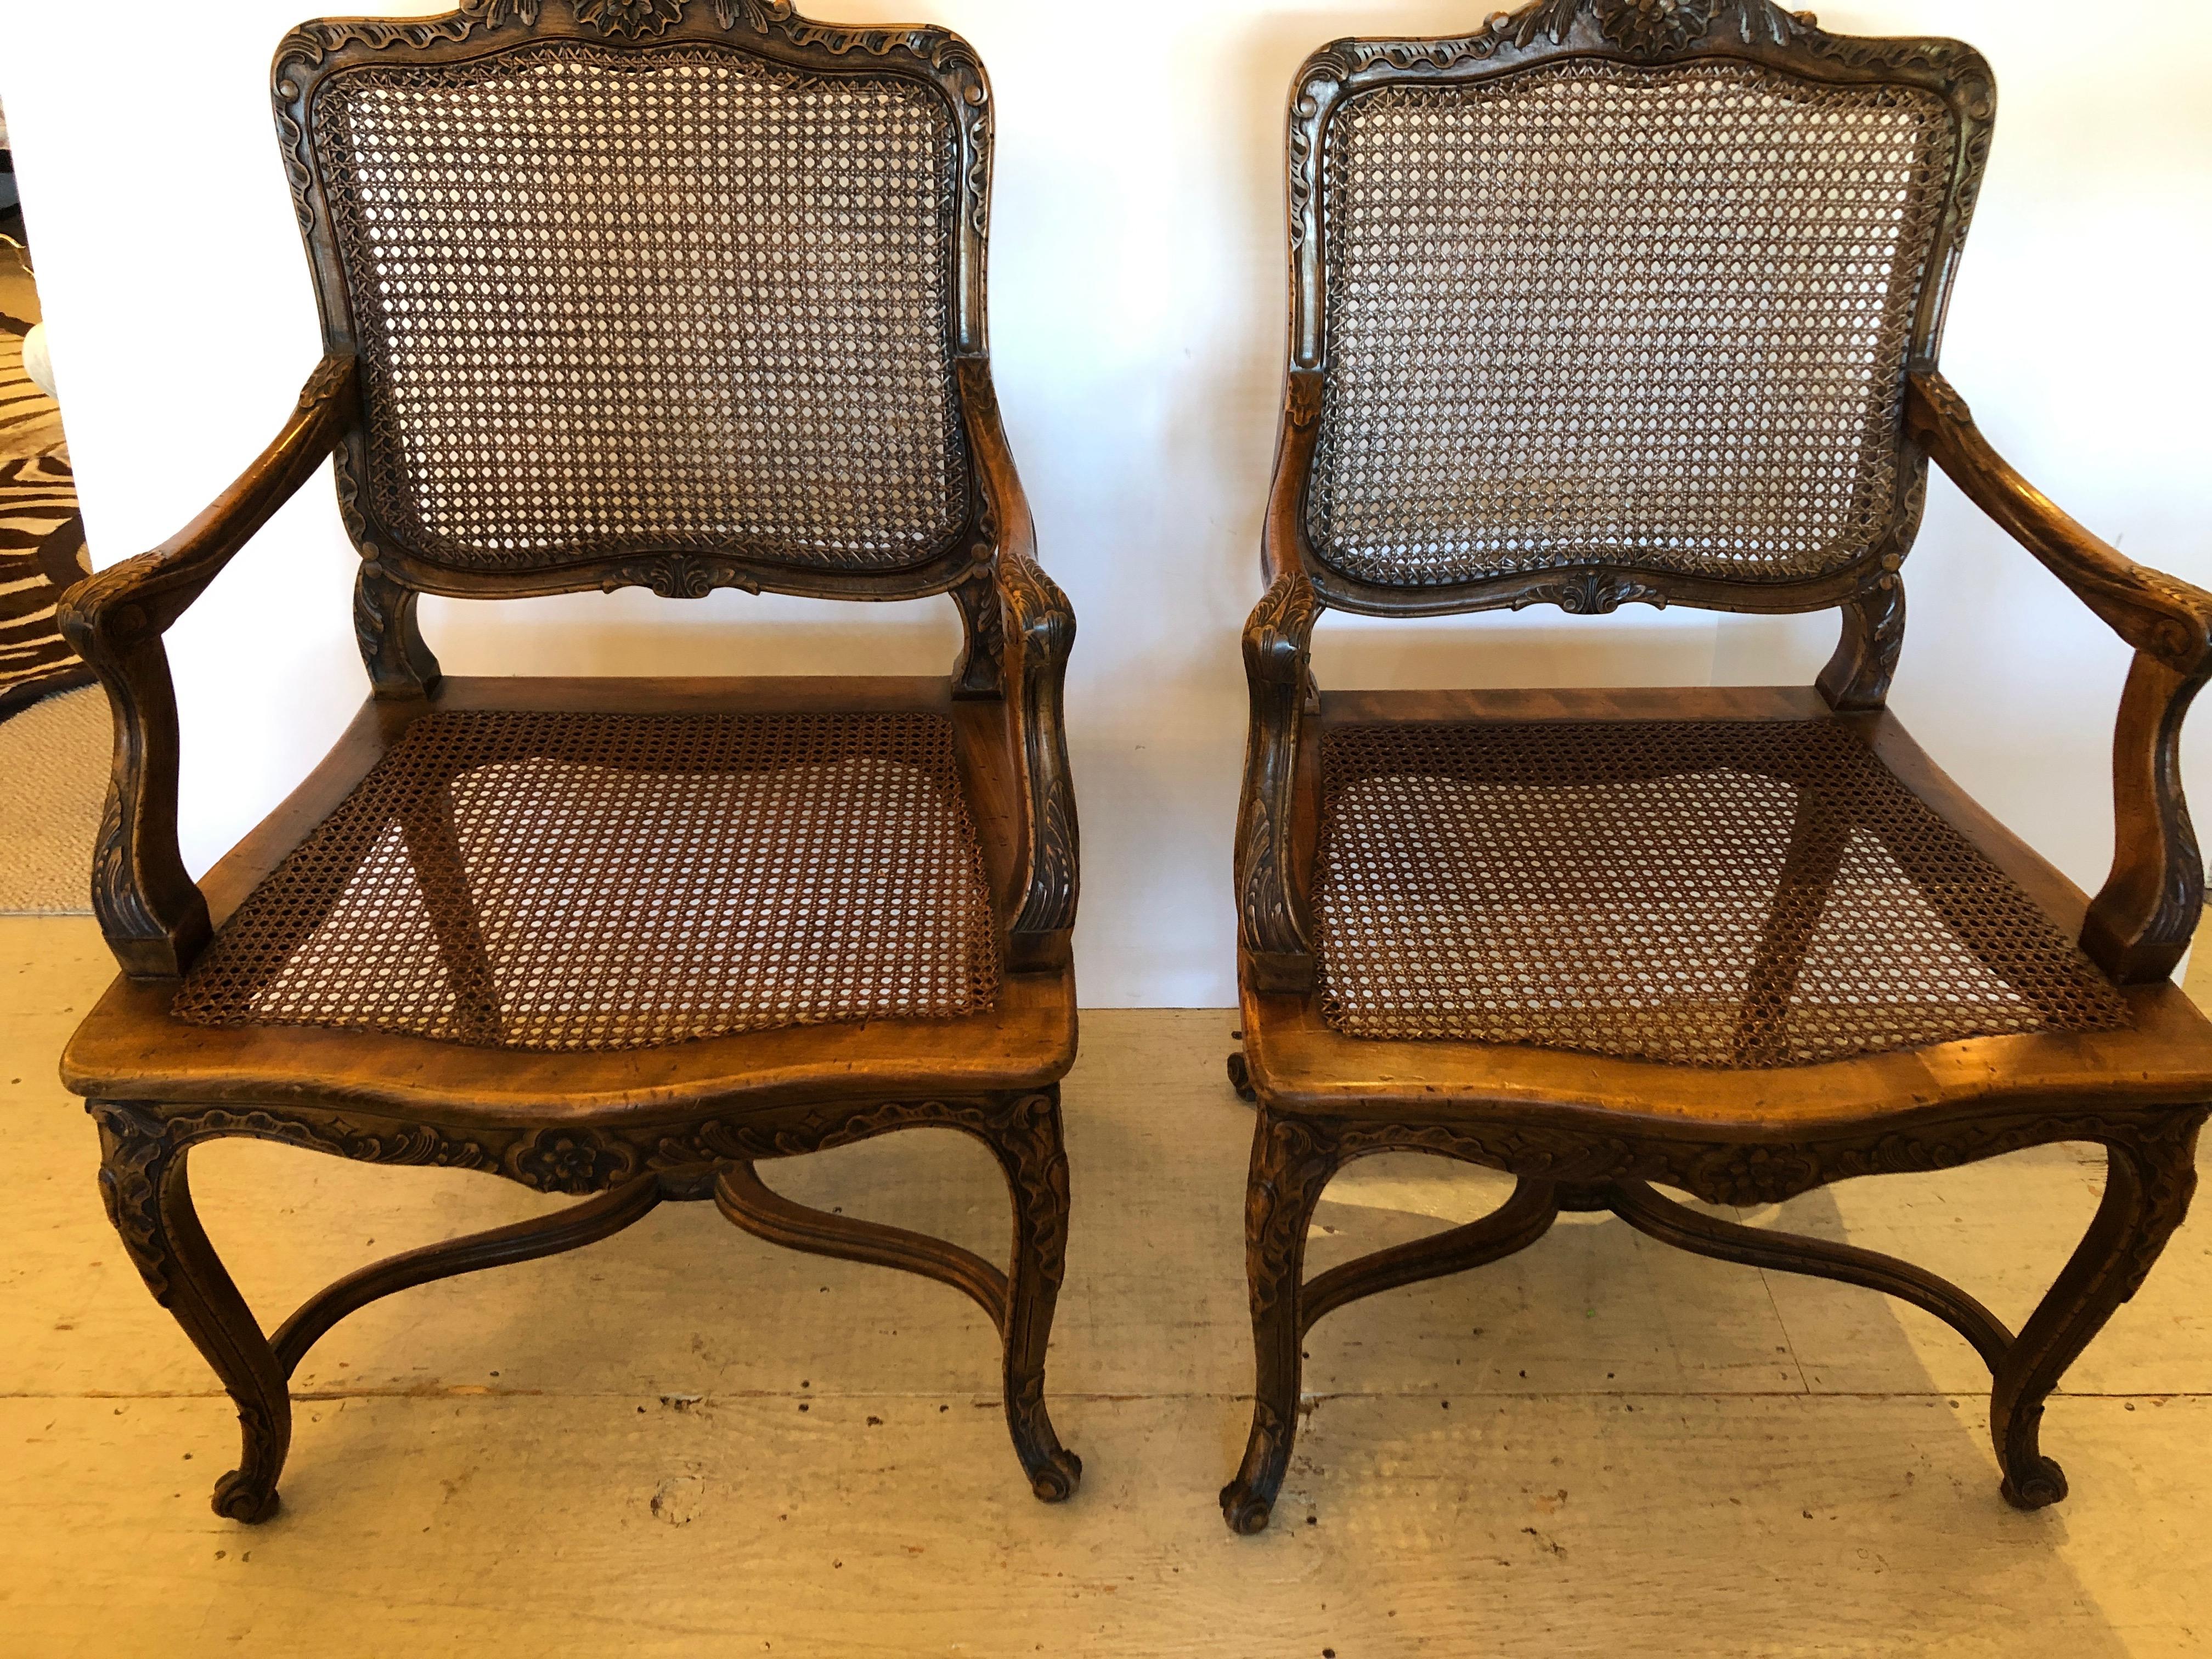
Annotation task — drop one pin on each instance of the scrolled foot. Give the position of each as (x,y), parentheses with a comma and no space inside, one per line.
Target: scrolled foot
(1244,1510)
(239,1498)
(1240,1078)
(2042,1484)
(1055,1483)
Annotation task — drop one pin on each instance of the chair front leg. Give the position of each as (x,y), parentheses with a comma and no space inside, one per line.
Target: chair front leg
(1023,1135)
(1292,1159)
(1030,1150)
(145,1186)
(2150,1175)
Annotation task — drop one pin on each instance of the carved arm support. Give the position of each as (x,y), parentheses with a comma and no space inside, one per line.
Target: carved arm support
(154,916)
(1274,917)
(2141,923)
(1040,633)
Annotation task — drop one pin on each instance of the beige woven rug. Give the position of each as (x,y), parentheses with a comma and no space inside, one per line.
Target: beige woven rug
(53,783)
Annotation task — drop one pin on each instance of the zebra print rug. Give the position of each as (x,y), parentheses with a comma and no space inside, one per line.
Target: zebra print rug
(42,548)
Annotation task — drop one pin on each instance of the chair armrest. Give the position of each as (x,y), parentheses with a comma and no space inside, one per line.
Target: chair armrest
(2142,921)
(1039,636)
(1274,916)
(154,916)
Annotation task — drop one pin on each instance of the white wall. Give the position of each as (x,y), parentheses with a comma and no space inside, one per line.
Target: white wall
(1137,292)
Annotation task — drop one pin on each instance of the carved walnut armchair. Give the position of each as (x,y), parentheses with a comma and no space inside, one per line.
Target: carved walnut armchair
(1620,300)
(684,294)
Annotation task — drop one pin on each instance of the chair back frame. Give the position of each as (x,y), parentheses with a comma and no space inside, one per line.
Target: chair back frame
(1643,33)
(773,35)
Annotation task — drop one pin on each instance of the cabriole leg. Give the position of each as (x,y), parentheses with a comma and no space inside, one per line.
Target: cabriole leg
(1030,1150)
(1293,1160)
(143,1180)
(2148,1181)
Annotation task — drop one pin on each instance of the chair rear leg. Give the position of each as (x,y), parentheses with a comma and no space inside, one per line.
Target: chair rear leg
(1293,1160)
(2149,1178)
(143,1182)
(1030,1150)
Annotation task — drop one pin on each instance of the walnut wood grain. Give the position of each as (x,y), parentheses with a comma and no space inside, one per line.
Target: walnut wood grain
(1588,1131)
(153,918)
(1515,1224)
(498,1247)
(1701,1234)
(786,45)
(1275,927)
(2159,615)
(2139,926)
(1039,634)
(631,1126)
(1543,34)
(751,1204)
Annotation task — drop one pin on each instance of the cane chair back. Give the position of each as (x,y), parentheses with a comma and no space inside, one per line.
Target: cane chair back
(1599,291)
(678,293)
(637,286)
(1640,299)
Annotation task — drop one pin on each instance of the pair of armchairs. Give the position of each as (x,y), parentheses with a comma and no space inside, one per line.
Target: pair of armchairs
(1608,301)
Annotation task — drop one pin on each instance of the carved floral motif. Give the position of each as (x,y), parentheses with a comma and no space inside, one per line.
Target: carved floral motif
(1651,26)
(569,1161)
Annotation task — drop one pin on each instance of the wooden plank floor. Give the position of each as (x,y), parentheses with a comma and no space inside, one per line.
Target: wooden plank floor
(686,1442)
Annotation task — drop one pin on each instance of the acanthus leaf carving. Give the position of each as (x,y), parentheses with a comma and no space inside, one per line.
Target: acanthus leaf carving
(498,13)
(1272,916)
(1651,28)
(1742,1172)
(1594,592)
(1042,618)
(571,1159)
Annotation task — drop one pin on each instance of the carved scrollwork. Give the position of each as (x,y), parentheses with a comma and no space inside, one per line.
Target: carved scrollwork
(583,1159)
(306,54)
(681,576)
(1291,1164)
(1858,677)
(143,1186)
(1747,1173)
(1649,27)
(1273,923)
(1278,634)
(1042,618)
(134,1156)
(1590,593)
(981,672)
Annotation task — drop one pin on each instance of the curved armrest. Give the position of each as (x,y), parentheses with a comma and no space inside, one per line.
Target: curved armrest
(154,918)
(2141,922)
(1274,916)
(1039,635)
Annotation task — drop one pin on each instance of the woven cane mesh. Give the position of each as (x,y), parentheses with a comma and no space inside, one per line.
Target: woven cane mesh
(670,300)
(1597,314)
(562,881)
(1718,893)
